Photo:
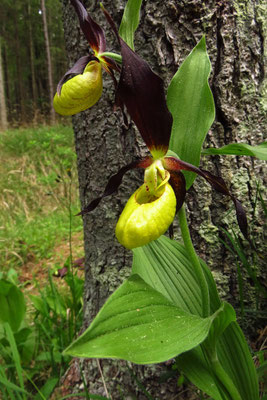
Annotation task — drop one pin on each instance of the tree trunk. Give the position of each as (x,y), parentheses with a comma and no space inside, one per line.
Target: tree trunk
(6,79)
(32,57)
(20,91)
(3,111)
(49,64)
(167,33)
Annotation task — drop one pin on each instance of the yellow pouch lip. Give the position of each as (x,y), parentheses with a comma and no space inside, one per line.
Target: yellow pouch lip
(80,92)
(142,223)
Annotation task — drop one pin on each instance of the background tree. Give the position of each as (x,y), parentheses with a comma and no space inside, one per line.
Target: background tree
(235,33)
(49,63)
(3,113)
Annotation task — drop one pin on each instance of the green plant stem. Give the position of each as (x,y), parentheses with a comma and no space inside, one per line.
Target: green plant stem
(225,380)
(114,56)
(195,262)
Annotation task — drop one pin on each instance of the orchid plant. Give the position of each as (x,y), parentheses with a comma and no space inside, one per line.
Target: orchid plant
(169,307)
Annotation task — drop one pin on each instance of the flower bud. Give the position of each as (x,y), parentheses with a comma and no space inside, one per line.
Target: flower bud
(80,92)
(145,217)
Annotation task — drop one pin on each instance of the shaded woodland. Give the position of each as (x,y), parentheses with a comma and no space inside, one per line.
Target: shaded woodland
(33,60)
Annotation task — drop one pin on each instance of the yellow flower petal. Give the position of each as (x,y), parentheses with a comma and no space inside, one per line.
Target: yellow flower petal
(80,92)
(145,218)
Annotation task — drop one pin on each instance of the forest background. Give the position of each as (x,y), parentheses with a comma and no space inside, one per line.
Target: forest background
(32,60)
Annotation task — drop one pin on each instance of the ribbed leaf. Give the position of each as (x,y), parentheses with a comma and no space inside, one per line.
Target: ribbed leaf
(164,265)
(191,103)
(219,325)
(139,324)
(12,305)
(130,21)
(239,149)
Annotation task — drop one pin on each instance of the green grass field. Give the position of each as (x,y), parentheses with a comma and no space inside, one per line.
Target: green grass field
(38,190)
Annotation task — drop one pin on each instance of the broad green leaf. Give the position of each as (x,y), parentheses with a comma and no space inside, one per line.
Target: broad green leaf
(191,103)
(139,324)
(194,366)
(234,354)
(57,305)
(39,304)
(164,265)
(26,341)
(130,21)
(239,149)
(12,303)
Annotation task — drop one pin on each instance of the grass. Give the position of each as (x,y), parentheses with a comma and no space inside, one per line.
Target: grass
(37,190)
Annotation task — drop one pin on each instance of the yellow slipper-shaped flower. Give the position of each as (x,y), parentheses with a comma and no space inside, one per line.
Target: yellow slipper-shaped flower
(145,218)
(80,92)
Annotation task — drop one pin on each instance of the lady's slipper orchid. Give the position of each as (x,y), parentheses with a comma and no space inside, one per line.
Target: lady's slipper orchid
(133,229)
(84,89)
(151,209)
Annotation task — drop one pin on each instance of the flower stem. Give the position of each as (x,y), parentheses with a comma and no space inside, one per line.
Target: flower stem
(225,380)
(195,262)
(114,56)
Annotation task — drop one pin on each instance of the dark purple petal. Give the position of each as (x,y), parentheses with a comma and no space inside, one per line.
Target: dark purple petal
(114,182)
(111,63)
(177,181)
(173,164)
(77,68)
(92,31)
(109,69)
(111,22)
(142,92)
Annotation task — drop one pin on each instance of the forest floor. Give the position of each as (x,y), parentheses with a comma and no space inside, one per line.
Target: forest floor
(33,271)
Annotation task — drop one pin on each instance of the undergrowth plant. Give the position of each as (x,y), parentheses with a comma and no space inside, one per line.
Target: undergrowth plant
(31,345)
(169,307)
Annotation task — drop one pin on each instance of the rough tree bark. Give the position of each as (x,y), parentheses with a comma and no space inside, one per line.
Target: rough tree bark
(235,33)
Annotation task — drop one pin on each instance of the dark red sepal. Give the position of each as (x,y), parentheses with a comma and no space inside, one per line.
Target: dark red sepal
(115,181)
(111,64)
(177,182)
(92,31)
(173,164)
(142,92)
(77,68)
